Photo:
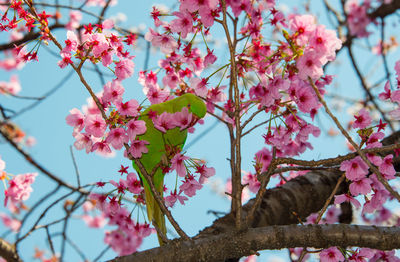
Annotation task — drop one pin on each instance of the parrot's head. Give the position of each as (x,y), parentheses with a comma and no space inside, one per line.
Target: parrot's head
(195,104)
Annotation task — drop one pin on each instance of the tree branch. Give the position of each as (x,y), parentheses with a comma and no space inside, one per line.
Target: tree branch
(224,246)
(7,251)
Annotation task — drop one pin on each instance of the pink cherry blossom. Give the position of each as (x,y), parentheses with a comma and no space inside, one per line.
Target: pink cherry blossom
(173,197)
(88,206)
(386,168)
(263,157)
(310,65)
(171,79)
(387,93)
(355,169)
(363,254)
(190,186)
(376,160)
(305,131)
(199,86)
(122,243)
(20,187)
(204,7)
(397,69)
(166,43)
(101,148)
(98,43)
(124,68)
(183,24)
(373,140)
(100,200)
(305,99)
(332,214)
(183,119)
(265,93)
(357,17)
(205,173)
(117,137)
(194,5)
(164,122)
(331,254)
(113,92)
(240,6)
(83,141)
(66,60)
(325,42)
(304,26)
(129,108)
(363,119)
(71,44)
(252,181)
(76,119)
(95,125)
(133,184)
(138,147)
(210,58)
(395,96)
(360,186)
(157,95)
(134,128)
(245,191)
(347,198)
(177,163)
(381,255)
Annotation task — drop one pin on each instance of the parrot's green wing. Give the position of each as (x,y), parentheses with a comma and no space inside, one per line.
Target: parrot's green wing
(157,148)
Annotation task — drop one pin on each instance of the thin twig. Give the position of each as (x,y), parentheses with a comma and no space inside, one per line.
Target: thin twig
(75,166)
(159,200)
(356,147)
(322,211)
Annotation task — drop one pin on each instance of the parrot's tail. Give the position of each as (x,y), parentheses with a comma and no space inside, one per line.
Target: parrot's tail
(159,218)
(155,215)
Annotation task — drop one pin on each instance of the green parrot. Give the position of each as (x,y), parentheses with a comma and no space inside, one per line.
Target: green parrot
(162,146)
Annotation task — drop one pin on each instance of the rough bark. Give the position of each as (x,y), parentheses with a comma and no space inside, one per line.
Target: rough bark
(7,251)
(285,205)
(224,246)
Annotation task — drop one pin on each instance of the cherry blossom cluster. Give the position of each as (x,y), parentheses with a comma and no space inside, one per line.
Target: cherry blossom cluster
(357,172)
(19,186)
(393,96)
(122,123)
(357,17)
(128,235)
(17,19)
(283,89)
(360,254)
(305,51)
(183,166)
(337,254)
(100,45)
(17,190)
